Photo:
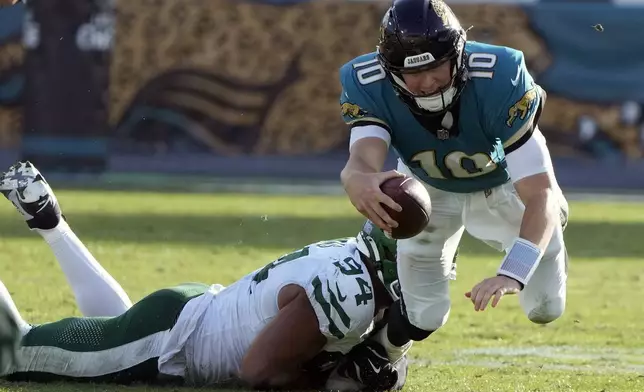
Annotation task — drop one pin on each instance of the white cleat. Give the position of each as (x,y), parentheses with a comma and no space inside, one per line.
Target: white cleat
(29,192)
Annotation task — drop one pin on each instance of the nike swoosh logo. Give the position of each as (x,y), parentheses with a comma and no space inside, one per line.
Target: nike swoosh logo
(340,296)
(515,81)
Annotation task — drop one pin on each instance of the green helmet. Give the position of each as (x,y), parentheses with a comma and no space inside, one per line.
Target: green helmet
(381,251)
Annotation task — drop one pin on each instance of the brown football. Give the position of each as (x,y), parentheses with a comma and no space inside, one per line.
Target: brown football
(413,197)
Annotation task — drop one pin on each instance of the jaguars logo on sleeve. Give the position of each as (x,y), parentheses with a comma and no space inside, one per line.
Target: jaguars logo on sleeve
(353,111)
(523,106)
(360,79)
(517,113)
(521,118)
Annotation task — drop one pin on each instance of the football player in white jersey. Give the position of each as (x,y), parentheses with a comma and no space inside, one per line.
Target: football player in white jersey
(270,329)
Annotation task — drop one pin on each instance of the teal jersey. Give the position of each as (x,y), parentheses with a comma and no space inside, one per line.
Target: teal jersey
(496,113)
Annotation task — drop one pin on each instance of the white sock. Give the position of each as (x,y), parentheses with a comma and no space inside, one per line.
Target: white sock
(394,352)
(97,292)
(5,297)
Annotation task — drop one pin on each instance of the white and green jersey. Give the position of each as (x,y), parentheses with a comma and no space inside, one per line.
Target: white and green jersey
(199,332)
(215,330)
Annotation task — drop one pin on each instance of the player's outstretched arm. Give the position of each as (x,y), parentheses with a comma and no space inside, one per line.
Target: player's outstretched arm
(367,155)
(293,337)
(361,105)
(362,176)
(530,167)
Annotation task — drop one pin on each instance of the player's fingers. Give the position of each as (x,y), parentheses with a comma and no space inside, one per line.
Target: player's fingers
(468,294)
(497,297)
(384,176)
(365,209)
(374,217)
(486,298)
(511,290)
(474,293)
(382,197)
(388,201)
(384,216)
(480,295)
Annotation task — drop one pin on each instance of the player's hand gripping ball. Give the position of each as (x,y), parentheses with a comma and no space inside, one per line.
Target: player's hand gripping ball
(413,197)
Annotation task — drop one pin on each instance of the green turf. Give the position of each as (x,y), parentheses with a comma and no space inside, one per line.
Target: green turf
(152,240)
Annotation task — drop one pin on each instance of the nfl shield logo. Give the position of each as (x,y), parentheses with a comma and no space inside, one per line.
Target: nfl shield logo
(442,134)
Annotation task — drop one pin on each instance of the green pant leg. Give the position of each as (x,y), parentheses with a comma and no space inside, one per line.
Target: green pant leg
(121,349)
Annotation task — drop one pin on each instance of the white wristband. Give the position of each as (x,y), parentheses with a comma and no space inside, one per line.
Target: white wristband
(521,261)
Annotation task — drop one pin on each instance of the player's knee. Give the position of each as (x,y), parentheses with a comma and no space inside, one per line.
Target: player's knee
(426,315)
(402,328)
(556,249)
(430,318)
(546,310)
(564,212)
(425,282)
(431,321)
(417,334)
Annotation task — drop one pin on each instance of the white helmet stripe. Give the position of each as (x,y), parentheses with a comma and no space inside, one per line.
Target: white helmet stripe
(373,249)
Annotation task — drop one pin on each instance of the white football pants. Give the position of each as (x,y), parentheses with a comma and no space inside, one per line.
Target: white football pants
(425,261)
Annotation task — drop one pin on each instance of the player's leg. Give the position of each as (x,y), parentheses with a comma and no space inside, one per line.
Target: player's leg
(121,349)
(495,217)
(10,306)
(425,263)
(543,299)
(12,328)
(97,292)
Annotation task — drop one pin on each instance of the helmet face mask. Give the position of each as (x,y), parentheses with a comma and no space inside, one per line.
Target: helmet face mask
(418,36)
(381,251)
(434,103)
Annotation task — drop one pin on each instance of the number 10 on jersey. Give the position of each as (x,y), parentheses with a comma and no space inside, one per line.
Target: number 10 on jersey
(458,164)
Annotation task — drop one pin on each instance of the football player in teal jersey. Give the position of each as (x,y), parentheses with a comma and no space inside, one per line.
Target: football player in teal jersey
(462,117)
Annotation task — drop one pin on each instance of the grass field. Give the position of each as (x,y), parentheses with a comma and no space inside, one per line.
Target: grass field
(148,241)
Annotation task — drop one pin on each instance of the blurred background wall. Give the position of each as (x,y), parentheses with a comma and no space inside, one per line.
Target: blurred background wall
(249,89)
